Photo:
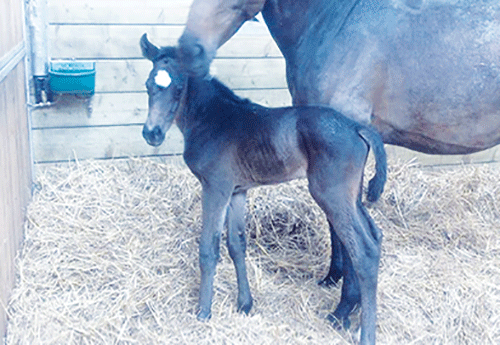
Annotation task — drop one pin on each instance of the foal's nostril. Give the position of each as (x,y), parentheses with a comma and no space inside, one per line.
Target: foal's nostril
(153,137)
(155,133)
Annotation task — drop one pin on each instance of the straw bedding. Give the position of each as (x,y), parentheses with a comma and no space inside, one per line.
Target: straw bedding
(110,257)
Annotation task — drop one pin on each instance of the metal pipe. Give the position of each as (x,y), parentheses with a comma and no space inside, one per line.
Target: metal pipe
(38,28)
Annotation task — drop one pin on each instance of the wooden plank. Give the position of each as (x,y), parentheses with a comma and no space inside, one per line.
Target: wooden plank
(131,75)
(112,11)
(5,35)
(268,98)
(6,217)
(122,41)
(251,73)
(10,60)
(20,148)
(15,162)
(107,109)
(124,108)
(62,144)
(106,41)
(59,144)
(11,25)
(15,184)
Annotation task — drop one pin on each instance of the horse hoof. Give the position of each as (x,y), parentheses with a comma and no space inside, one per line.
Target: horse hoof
(344,323)
(204,315)
(329,280)
(245,307)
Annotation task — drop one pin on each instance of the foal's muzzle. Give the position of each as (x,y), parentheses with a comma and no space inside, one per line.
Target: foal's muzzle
(153,137)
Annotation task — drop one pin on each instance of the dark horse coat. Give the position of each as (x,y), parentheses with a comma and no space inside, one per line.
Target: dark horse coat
(232,145)
(424,73)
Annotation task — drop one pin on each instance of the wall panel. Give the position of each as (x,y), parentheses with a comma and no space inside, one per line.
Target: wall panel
(15,181)
(108,31)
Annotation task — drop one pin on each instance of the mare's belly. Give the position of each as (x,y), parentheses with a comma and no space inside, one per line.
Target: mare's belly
(427,78)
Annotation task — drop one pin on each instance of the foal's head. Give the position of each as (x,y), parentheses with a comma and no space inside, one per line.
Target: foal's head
(166,91)
(210,24)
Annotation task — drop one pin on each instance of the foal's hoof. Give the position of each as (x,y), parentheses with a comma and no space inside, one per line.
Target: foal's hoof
(343,323)
(330,279)
(244,307)
(204,314)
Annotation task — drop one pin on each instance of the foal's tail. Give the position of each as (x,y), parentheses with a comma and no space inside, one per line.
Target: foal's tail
(376,184)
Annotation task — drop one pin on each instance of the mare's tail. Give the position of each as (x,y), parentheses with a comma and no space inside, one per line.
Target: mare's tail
(376,184)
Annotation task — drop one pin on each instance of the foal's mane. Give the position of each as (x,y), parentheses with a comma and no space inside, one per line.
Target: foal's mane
(226,93)
(214,103)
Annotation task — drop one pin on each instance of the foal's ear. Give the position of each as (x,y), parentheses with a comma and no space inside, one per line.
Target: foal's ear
(149,50)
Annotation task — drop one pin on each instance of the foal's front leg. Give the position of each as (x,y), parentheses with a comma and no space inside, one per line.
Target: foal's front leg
(236,243)
(215,200)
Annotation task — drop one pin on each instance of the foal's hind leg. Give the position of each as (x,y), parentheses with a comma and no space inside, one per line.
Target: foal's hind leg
(236,243)
(365,255)
(338,197)
(351,295)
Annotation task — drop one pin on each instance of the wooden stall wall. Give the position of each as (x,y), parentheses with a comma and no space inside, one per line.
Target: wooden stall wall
(108,31)
(15,160)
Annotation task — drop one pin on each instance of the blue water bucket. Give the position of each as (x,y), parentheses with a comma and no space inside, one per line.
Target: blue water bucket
(72,77)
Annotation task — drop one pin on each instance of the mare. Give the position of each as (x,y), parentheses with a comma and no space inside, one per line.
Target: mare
(232,145)
(424,73)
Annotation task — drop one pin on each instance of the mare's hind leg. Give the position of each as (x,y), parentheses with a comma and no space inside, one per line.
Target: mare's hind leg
(336,262)
(236,243)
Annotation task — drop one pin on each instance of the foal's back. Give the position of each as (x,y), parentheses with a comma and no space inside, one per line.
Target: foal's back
(265,145)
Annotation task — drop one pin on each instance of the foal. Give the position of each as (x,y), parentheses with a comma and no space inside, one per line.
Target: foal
(232,145)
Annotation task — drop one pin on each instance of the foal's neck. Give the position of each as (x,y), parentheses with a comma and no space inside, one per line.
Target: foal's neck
(201,93)
(209,104)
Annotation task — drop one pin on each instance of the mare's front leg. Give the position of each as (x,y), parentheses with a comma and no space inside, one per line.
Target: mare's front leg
(215,199)
(236,243)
